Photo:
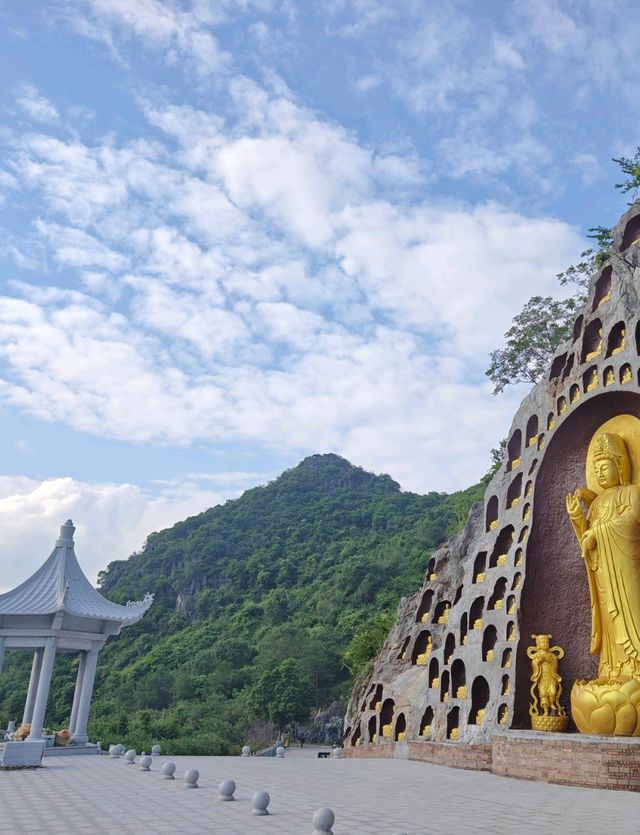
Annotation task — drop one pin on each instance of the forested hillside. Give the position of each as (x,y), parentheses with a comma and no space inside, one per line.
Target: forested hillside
(309,567)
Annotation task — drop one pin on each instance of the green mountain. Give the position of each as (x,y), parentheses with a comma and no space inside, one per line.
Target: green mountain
(309,567)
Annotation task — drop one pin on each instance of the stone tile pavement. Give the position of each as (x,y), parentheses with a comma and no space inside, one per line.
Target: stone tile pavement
(369,797)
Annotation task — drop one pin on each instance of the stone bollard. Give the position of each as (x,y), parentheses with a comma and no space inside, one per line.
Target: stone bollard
(226,790)
(322,820)
(168,770)
(145,763)
(280,751)
(156,750)
(260,801)
(191,778)
(115,751)
(337,752)
(130,756)
(246,751)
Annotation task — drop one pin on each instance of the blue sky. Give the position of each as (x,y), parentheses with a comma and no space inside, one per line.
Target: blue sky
(237,232)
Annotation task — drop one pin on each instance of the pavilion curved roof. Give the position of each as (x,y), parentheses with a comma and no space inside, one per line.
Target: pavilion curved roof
(61,586)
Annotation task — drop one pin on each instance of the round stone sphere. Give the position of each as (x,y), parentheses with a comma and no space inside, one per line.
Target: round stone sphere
(168,770)
(156,750)
(145,763)
(130,756)
(337,752)
(114,751)
(260,801)
(226,789)
(246,751)
(191,778)
(323,819)
(279,751)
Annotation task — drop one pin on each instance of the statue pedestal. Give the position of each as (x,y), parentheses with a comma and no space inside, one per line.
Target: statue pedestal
(550,724)
(607,708)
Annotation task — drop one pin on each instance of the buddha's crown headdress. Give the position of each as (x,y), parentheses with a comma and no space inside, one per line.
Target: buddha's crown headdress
(612,447)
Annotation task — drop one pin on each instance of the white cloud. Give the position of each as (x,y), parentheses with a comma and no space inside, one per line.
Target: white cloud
(35,105)
(112,520)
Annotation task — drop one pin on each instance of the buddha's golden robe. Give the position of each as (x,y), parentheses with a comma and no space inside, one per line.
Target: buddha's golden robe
(612,557)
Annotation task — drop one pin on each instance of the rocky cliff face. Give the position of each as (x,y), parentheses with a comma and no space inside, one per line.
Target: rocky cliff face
(454,666)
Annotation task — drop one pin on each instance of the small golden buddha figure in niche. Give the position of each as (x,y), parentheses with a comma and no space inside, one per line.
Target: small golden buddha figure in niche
(386,730)
(465,640)
(532,440)
(449,659)
(425,617)
(377,707)
(498,604)
(620,346)
(421,659)
(515,502)
(574,394)
(512,608)
(435,682)
(593,380)
(477,624)
(461,692)
(493,526)
(592,354)
(551,423)
(402,736)
(426,729)
(516,463)
(511,632)
(489,655)
(455,733)
(503,716)
(480,577)
(562,408)
(547,714)
(445,697)
(480,714)
(374,738)
(501,560)
(609,377)
(507,688)
(444,617)
(433,577)
(605,516)
(626,374)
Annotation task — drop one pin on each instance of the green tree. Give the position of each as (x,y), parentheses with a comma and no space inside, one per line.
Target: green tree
(631,167)
(282,695)
(531,341)
(367,642)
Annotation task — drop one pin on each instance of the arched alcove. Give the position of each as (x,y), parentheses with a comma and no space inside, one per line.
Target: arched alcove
(475,613)
(424,608)
(514,490)
(445,679)
(479,567)
(638,338)
(386,718)
(574,393)
(510,631)
(376,699)
(479,700)
(514,450)
(590,379)
(524,533)
(615,342)
(551,421)
(631,233)
(404,646)
(449,647)
(434,673)
(528,489)
(517,580)
(609,376)
(625,374)
(372,728)
(557,366)
(568,367)
(577,328)
(541,441)
(441,612)
(427,722)
(533,467)
(503,715)
(602,290)
(422,648)
(505,687)
(555,594)
(502,546)
(400,729)
(519,560)
(458,594)
(463,629)
(431,568)
(562,405)
(511,604)
(356,737)
(458,679)
(526,512)
(489,638)
(453,723)
(492,514)
(531,433)
(506,659)
(497,597)
(592,341)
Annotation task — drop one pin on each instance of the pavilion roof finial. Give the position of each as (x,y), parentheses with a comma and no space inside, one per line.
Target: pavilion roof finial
(66,533)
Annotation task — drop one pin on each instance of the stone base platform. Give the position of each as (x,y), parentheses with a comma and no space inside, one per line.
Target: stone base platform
(570,759)
(71,750)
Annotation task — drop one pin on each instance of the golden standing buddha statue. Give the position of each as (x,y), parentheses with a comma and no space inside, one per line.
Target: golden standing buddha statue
(606,519)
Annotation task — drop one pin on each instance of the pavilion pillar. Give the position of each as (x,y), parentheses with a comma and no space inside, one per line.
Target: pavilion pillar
(78,691)
(44,682)
(1,653)
(33,686)
(80,733)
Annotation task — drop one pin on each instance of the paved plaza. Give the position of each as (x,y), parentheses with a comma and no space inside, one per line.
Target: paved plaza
(369,797)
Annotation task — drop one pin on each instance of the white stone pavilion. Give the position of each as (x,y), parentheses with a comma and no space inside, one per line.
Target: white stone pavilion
(58,610)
